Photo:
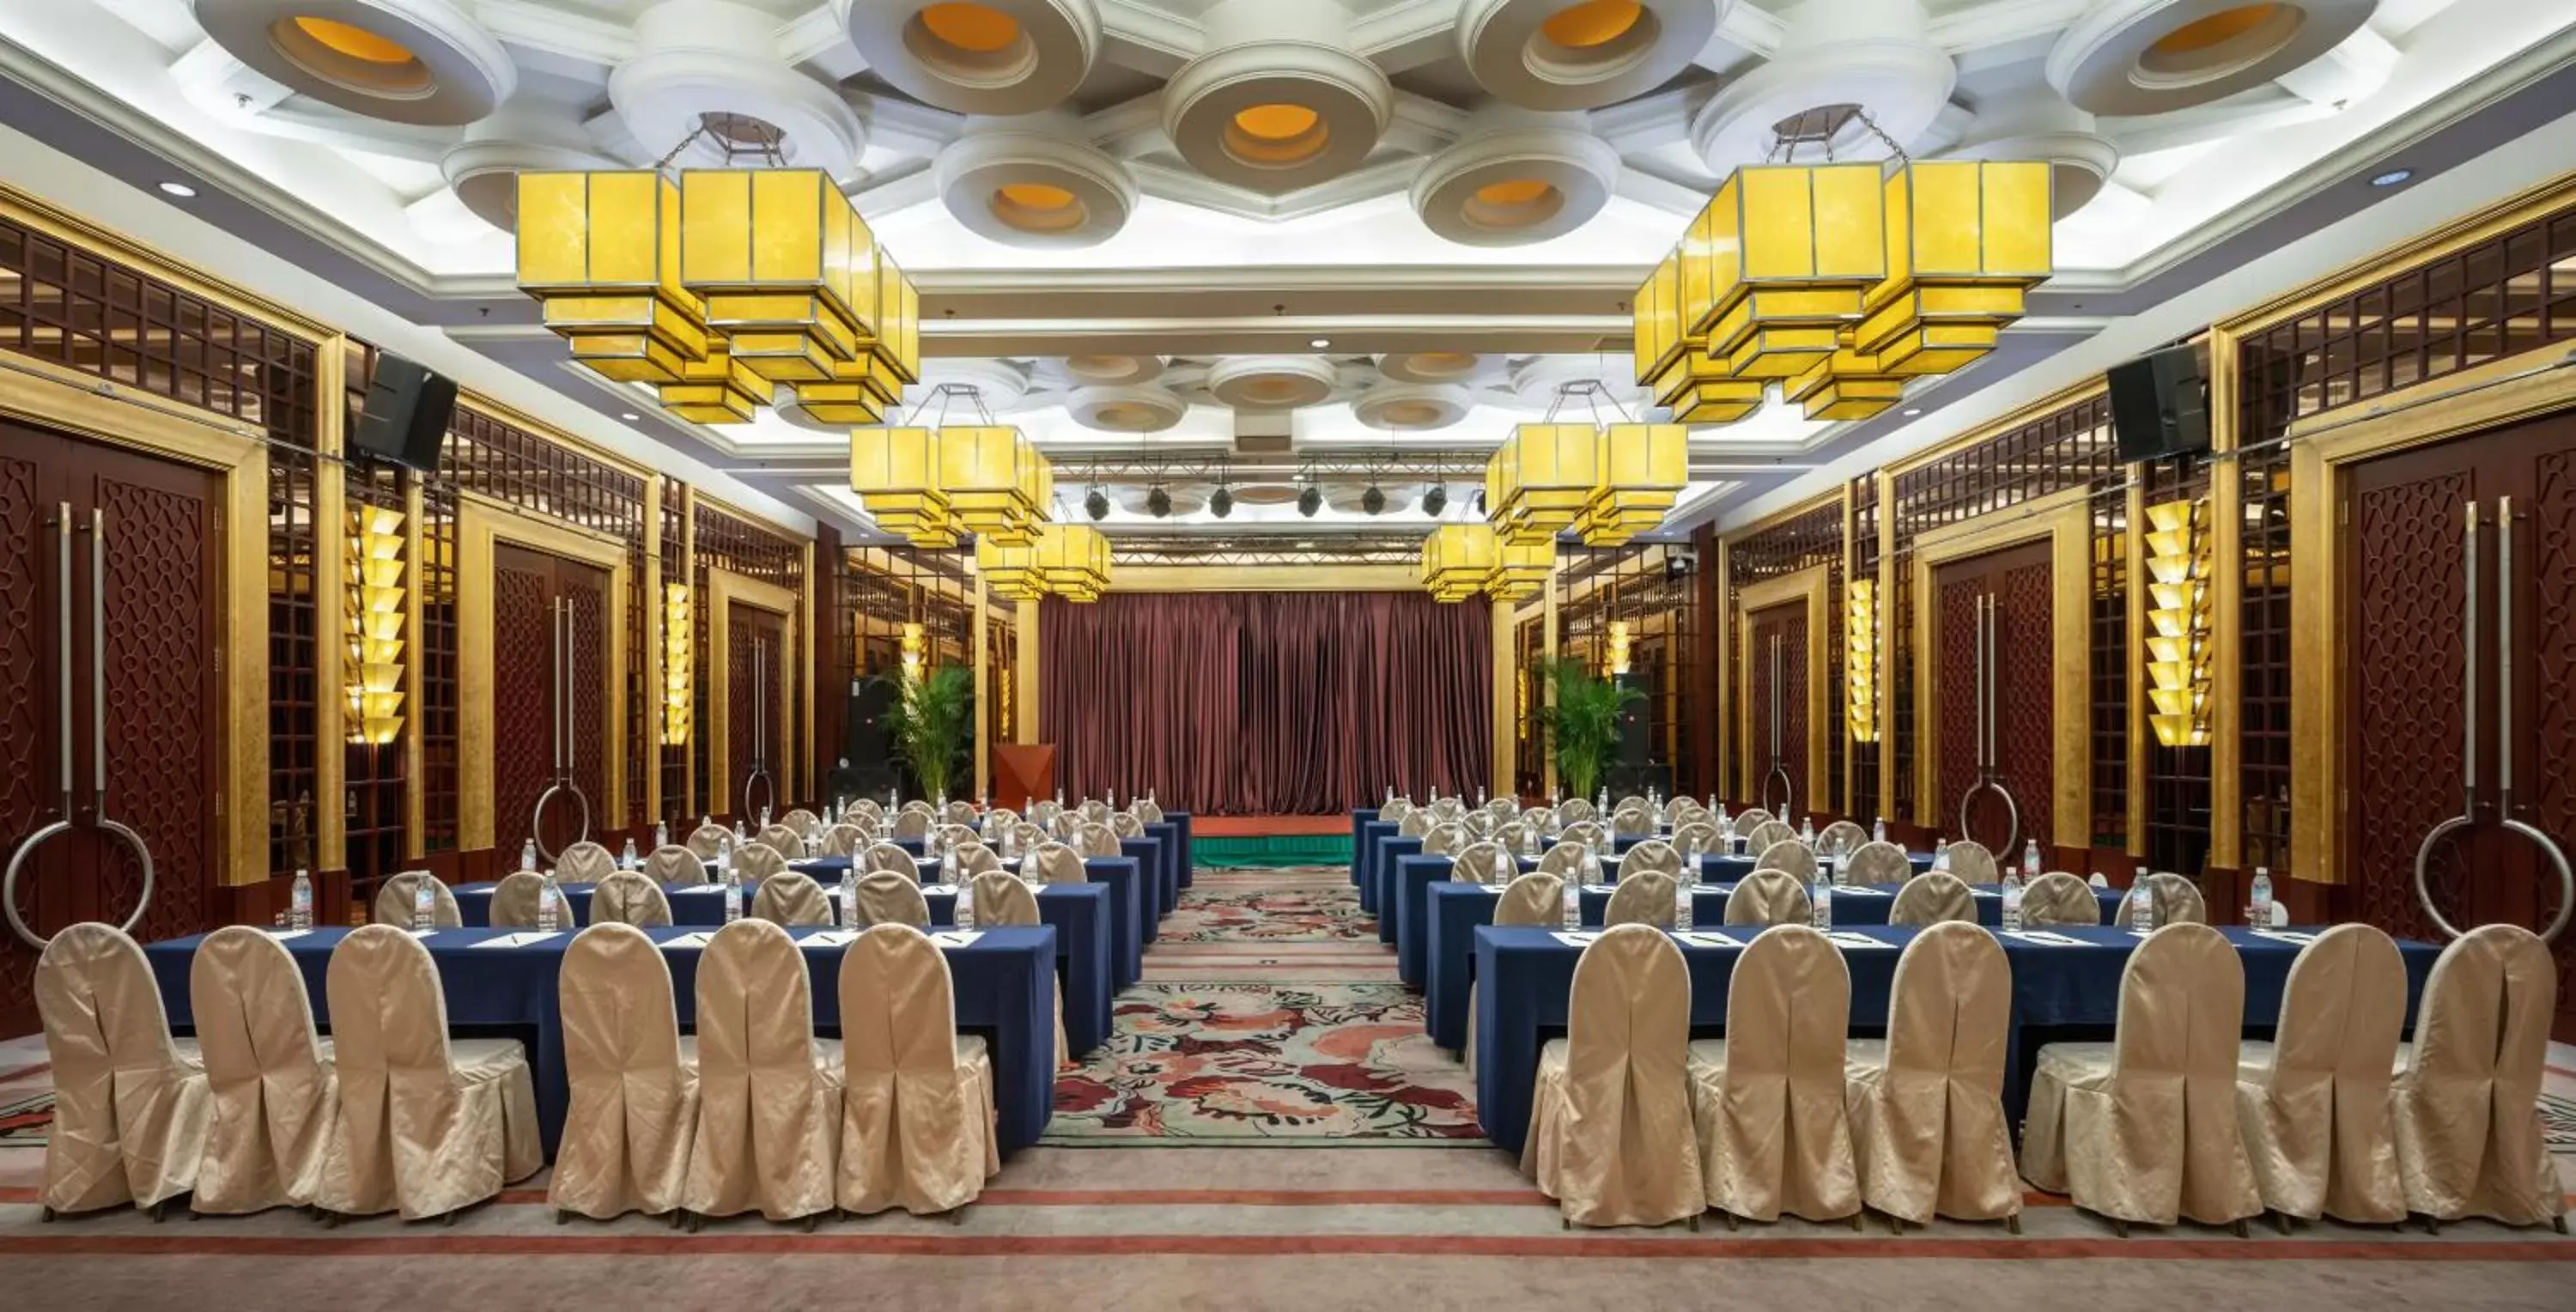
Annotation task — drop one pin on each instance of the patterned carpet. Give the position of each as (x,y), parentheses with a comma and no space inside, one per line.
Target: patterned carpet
(1293,904)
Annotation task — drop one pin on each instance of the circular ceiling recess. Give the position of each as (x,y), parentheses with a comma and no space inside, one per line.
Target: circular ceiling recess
(1581,54)
(2079,163)
(1541,177)
(483,169)
(713,71)
(1126,409)
(1430,366)
(1100,369)
(978,56)
(404,61)
(1826,90)
(2149,56)
(1034,185)
(1411,407)
(1278,102)
(1272,382)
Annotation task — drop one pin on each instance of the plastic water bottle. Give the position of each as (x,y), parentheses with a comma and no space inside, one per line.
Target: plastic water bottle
(1878,831)
(764,815)
(2012,903)
(1820,900)
(2099,880)
(733,895)
(850,896)
(299,902)
(528,855)
(549,906)
(661,834)
(2030,861)
(1390,796)
(1480,795)
(1591,865)
(424,907)
(2142,906)
(740,834)
(1685,906)
(1601,804)
(627,860)
(724,855)
(1573,905)
(1502,866)
(1941,855)
(966,905)
(2261,911)
(1807,832)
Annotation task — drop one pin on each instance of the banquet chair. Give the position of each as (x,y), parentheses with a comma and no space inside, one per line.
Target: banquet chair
(1504,808)
(1483,863)
(1478,823)
(918,807)
(1538,819)
(1148,811)
(1610,1119)
(1058,864)
(2176,900)
(2058,898)
(804,822)
(1094,811)
(1750,819)
(2314,1104)
(2143,1128)
(912,824)
(427,1125)
(1002,815)
(1444,810)
(917,1105)
(1096,840)
(130,1104)
(1768,834)
(1767,1099)
(629,897)
(1631,822)
(757,862)
(843,840)
(1001,898)
(1694,839)
(1512,836)
(864,811)
(271,1089)
(1768,897)
(1444,839)
(672,864)
(2469,1137)
(633,1080)
(888,857)
(886,897)
(1026,837)
(792,899)
(769,1093)
(1632,802)
(1065,826)
(1573,809)
(1044,811)
(1839,837)
(1563,859)
(394,900)
(967,860)
(1414,824)
(1787,855)
(959,812)
(1933,899)
(786,840)
(1876,863)
(1126,826)
(950,836)
(1645,898)
(707,840)
(1972,862)
(518,902)
(1925,1103)
(1532,899)
(1395,809)
(584,862)
(1654,855)
(1589,833)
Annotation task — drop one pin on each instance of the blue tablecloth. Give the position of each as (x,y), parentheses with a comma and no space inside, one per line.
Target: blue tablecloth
(1003,985)
(1364,860)
(1130,924)
(1525,975)
(1174,872)
(1179,821)
(1361,819)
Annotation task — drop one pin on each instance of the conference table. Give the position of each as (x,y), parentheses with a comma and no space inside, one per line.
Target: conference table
(1003,982)
(2062,977)
(1131,922)
(1080,914)
(1379,892)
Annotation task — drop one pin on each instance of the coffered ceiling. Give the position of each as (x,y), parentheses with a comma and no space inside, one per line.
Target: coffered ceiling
(1245,235)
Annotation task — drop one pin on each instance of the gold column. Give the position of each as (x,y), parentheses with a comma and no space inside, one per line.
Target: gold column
(1838,700)
(331,609)
(1025,624)
(1547,642)
(415,823)
(1506,677)
(697,665)
(2132,542)
(803,762)
(652,653)
(2227,612)
(983,689)
(1723,643)
(1887,634)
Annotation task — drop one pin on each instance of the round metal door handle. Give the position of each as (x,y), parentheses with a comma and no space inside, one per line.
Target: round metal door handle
(759,774)
(536,817)
(2012,808)
(1788,786)
(18,859)
(2557,859)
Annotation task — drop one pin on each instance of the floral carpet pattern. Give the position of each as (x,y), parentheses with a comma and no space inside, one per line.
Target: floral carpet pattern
(1236,1062)
(1290,905)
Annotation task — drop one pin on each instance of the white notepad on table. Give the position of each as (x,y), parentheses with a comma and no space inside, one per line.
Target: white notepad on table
(829,938)
(2045,939)
(933,890)
(1842,939)
(1577,938)
(1703,938)
(697,939)
(420,933)
(2286,936)
(956,938)
(519,940)
(1601,888)
(1860,890)
(288,933)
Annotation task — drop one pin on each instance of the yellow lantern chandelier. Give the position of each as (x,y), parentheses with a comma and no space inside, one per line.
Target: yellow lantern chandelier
(933,483)
(372,668)
(1461,561)
(1839,281)
(721,286)
(1606,481)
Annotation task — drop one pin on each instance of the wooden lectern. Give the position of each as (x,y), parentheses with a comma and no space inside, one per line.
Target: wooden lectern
(1024,773)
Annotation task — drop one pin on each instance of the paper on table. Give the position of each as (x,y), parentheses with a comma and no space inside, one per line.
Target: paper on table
(830,938)
(288,933)
(1600,888)
(1848,940)
(420,933)
(696,890)
(518,940)
(698,939)
(1576,938)
(930,889)
(1707,939)
(956,938)
(1860,890)
(2045,939)
(2286,936)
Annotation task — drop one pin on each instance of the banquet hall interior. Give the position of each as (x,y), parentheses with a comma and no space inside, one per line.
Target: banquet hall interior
(1287,653)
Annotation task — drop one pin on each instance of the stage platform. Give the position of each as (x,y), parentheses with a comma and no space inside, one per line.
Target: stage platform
(1258,841)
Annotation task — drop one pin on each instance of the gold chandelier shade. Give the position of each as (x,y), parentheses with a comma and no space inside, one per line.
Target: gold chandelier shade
(679,610)
(372,624)
(2178,677)
(601,253)
(1860,665)
(1778,259)
(778,257)
(1458,560)
(895,471)
(1074,560)
(717,390)
(991,476)
(1966,239)
(1642,470)
(1010,571)
(1521,569)
(1538,483)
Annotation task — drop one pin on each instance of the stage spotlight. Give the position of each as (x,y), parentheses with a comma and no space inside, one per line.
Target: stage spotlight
(1373,500)
(1435,500)
(1310,501)
(1221,504)
(1096,505)
(1158,502)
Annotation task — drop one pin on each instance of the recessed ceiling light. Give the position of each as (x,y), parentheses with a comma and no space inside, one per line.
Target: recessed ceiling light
(632,417)
(1320,343)
(2392,177)
(179,189)
(1913,410)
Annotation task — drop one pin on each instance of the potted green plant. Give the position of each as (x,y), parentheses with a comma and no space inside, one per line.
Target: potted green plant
(933,711)
(1584,722)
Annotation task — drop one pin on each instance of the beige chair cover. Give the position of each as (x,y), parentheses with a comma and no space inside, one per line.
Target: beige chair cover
(1573,810)
(2144,1128)
(130,1106)
(1503,808)
(1058,864)
(1972,862)
(1478,823)
(634,1109)
(1768,1098)
(426,1125)
(1444,810)
(804,822)
(1763,836)
(1511,836)
(707,840)
(1126,826)
(1094,811)
(1841,836)
(791,899)
(516,899)
(917,1114)
(769,1093)
(1645,898)
(1787,855)
(1001,898)
(1610,1121)
(1750,819)
(967,860)
(2314,1106)
(887,898)
(864,807)
(673,864)
(1632,802)
(756,861)
(1532,899)
(1565,859)
(1395,811)
(1476,864)
(844,840)
(1876,863)
(1631,822)
(1099,840)
(1538,818)
(889,858)
(1002,817)
(1149,812)
(1695,839)
(584,862)
(394,898)
(272,1089)
(2177,900)
(1413,824)
(909,823)
(952,837)
(1932,899)
(1444,839)
(1926,1103)
(1587,832)
(629,897)
(918,807)
(1065,827)
(1044,811)
(959,812)
(1769,897)
(2469,1139)
(782,839)
(1655,855)
(2058,898)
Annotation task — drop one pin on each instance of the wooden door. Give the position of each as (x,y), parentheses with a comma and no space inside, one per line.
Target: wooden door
(542,749)
(755,711)
(2411,576)
(137,665)
(1995,666)
(1775,668)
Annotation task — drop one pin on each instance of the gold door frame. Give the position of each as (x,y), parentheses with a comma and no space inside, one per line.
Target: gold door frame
(2065,521)
(1812,585)
(724,587)
(481,522)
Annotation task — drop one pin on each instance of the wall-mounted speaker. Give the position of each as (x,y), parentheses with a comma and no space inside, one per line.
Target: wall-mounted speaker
(2159,405)
(405,415)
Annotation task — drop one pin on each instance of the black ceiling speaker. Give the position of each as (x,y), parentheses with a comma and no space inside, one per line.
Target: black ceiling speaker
(1480,502)
(1096,505)
(1310,501)
(1158,502)
(1435,500)
(1373,500)
(405,415)
(2159,405)
(1222,503)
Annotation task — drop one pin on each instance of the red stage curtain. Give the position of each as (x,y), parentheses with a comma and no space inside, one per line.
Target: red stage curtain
(1267,703)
